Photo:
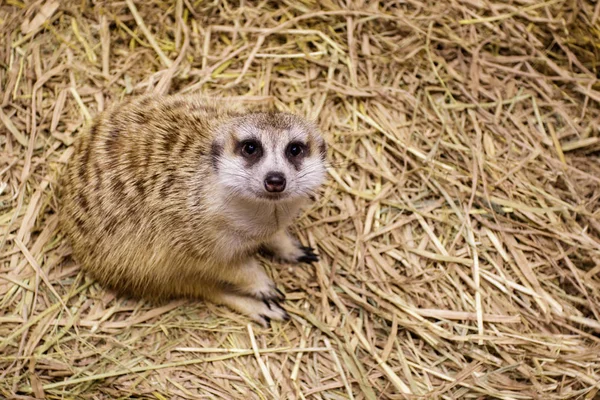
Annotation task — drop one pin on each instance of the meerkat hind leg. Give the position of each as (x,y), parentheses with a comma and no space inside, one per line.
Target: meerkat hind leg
(261,311)
(288,249)
(251,279)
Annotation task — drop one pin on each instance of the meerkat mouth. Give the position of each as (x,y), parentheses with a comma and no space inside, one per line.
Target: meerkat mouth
(273,196)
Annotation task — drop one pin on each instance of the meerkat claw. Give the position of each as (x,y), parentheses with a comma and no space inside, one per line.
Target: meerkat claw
(267,303)
(260,311)
(273,304)
(272,296)
(275,311)
(309,255)
(281,295)
(265,321)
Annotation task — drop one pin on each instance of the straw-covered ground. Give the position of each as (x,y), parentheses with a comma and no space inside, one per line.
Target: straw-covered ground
(459,228)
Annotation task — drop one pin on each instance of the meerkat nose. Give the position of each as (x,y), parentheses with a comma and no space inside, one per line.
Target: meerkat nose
(275,182)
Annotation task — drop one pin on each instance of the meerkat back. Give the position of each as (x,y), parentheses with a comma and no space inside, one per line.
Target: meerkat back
(124,182)
(153,208)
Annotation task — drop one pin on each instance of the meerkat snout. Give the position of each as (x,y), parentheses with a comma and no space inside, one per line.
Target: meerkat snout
(275,182)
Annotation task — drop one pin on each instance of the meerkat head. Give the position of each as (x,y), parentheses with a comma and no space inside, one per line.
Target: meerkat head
(269,157)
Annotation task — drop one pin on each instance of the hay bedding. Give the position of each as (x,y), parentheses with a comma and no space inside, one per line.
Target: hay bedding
(459,229)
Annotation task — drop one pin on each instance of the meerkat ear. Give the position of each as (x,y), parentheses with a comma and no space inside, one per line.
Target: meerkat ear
(323,148)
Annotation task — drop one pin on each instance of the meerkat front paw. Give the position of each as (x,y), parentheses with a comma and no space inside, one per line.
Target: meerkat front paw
(288,249)
(298,254)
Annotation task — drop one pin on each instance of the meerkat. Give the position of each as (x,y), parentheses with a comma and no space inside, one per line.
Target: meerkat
(174,196)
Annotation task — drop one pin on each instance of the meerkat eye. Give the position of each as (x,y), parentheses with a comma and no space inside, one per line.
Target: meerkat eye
(250,147)
(295,149)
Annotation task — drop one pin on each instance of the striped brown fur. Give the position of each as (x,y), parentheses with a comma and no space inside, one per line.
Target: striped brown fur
(140,211)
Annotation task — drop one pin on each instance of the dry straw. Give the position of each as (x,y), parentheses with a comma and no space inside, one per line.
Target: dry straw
(459,228)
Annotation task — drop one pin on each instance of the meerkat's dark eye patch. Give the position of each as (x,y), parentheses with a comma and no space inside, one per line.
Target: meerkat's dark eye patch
(295,150)
(250,149)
